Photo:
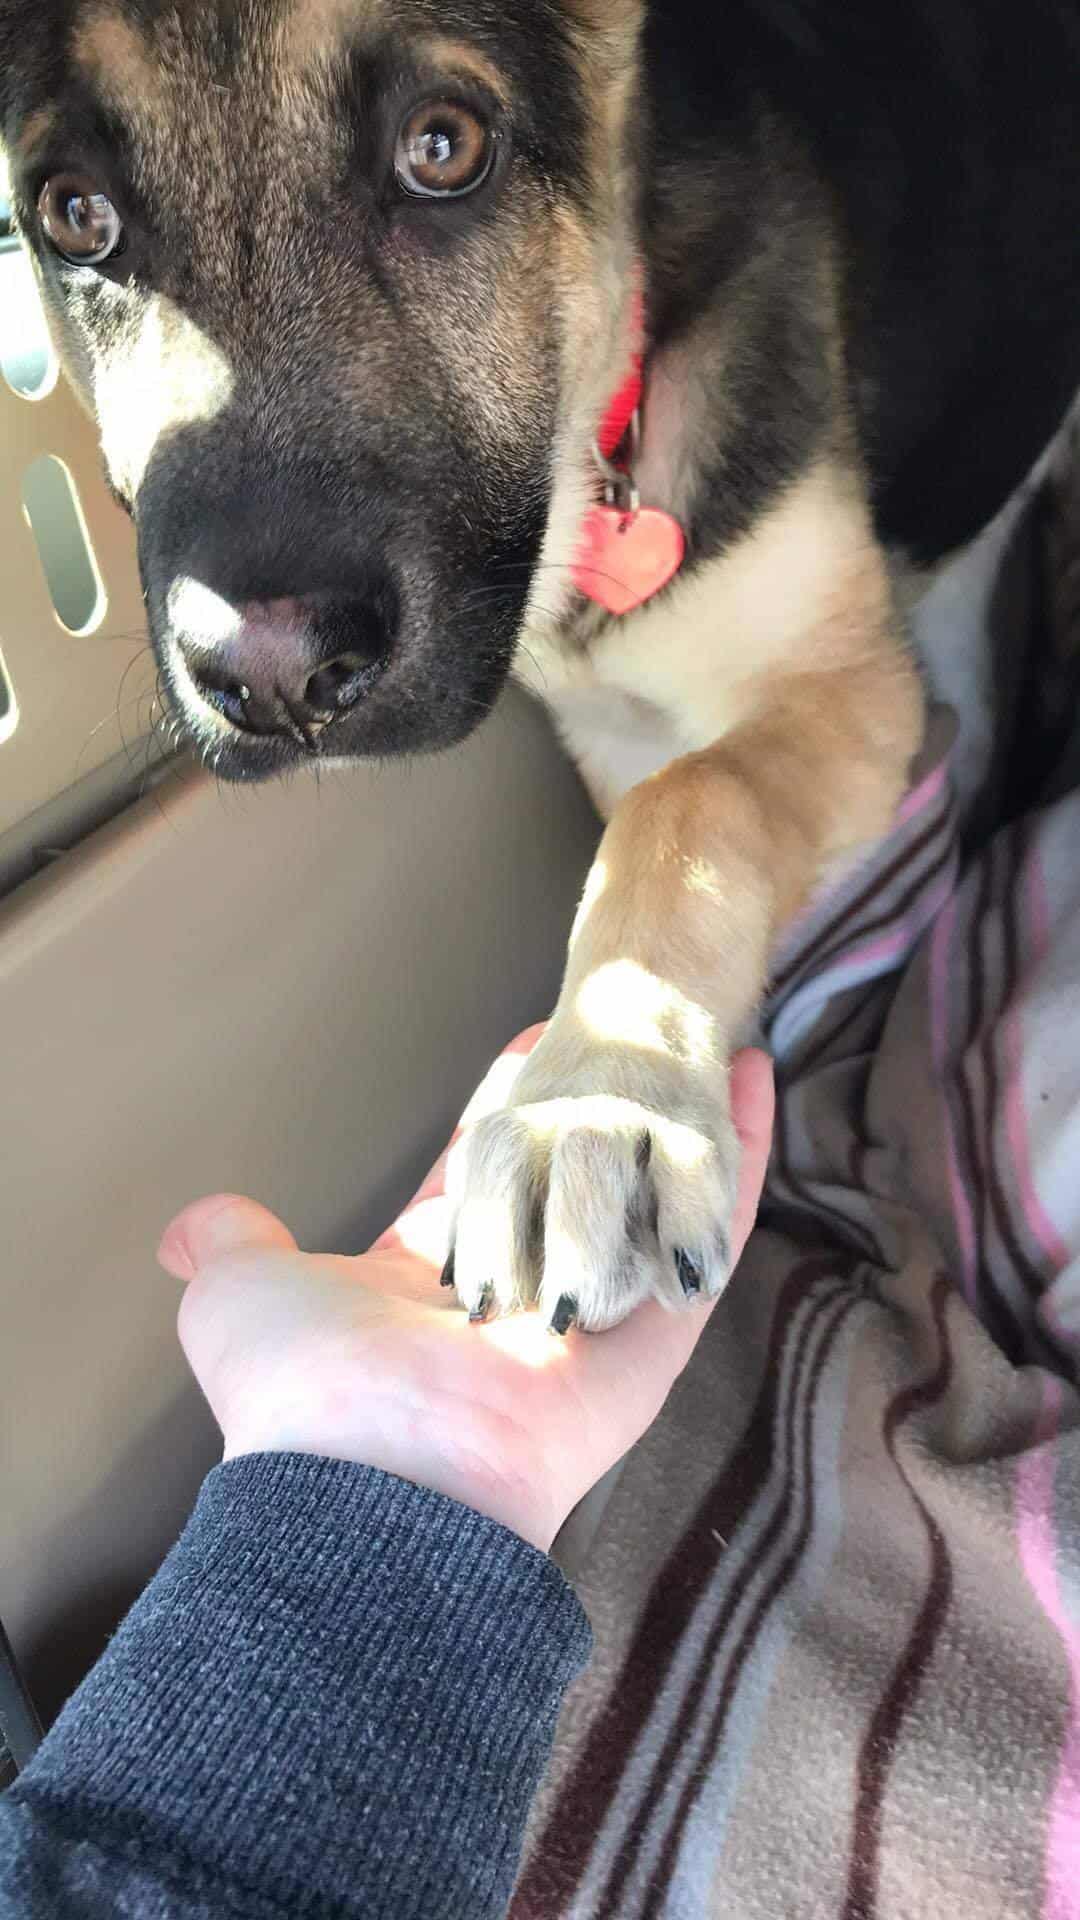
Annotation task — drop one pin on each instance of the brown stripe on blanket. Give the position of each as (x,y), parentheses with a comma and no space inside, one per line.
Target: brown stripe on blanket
(994,1311)
(881,922)
(791,1199)
(789,1213)
(807,959)
(1027,1264)
(993,911)
(562,1850)
(800,1194)
(798,1467)
(787,1191)
(824,1038)
(882,1735)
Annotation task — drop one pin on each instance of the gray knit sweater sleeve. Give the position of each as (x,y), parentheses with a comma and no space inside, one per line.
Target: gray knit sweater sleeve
(336,1697)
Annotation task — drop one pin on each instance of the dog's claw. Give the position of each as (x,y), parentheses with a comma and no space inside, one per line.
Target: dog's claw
(689,1273)
(564,1315)
(446,1278)
(483,1305)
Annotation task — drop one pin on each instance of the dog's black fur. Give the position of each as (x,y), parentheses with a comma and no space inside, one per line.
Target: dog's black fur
(948,133)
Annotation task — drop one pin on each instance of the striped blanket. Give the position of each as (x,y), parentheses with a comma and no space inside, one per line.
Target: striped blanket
(836,1590)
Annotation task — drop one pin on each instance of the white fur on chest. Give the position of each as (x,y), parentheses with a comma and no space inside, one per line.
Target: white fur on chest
(631,695)
(628,696)
(615,739)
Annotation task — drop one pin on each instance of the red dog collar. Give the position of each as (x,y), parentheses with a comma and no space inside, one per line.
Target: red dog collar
(625,403)
(626,552)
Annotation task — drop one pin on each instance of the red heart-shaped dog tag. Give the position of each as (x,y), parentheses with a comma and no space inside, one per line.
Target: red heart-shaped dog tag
(624,557)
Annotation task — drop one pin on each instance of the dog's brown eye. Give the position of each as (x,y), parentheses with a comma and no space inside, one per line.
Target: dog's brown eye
(443,149)
(80,220)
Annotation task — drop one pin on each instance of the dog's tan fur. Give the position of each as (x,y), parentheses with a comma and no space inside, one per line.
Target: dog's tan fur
(115,58)
(457,59)
(34,133)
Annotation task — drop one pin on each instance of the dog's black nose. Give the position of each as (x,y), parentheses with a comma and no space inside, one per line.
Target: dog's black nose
(287,666)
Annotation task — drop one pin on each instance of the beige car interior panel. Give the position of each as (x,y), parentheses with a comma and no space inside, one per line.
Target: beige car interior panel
(287,991)
(92,687)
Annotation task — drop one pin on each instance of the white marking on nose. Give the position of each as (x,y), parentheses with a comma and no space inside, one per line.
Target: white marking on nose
(196,612)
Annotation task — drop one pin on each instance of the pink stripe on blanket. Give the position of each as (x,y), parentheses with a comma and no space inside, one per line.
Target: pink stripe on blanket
(1035,1504)
(919,797)
(895,945)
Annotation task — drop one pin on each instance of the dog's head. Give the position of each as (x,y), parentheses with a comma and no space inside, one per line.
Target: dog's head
(345,283)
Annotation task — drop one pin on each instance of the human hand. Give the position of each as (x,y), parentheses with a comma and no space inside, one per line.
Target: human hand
(367,1359)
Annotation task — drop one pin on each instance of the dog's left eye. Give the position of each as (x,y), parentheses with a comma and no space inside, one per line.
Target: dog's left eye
(81,222)
(443,150)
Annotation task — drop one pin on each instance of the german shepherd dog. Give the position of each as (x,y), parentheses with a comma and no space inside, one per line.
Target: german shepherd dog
(357,290)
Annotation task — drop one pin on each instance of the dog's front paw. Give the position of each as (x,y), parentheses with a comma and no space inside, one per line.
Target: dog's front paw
(588,1202)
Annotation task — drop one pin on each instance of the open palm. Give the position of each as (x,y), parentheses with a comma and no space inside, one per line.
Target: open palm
(368,1359)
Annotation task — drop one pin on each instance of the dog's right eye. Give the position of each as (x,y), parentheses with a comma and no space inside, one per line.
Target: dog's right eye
(444,150)
(80,220)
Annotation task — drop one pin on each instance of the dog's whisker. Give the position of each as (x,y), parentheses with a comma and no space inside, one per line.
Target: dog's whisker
(120,706)
(134,700)
(530,655)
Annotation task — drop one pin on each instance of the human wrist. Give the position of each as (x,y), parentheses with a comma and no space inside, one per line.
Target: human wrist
(307,1593)
(532,1512)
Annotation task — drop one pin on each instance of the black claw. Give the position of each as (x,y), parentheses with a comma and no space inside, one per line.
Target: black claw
(689,1273)
(483,1305)
(446,1278)
(564,1315)
(643,1150)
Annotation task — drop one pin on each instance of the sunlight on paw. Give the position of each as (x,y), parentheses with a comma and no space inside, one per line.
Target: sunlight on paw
(622,1120)
(701,876)
(624,1002)
(495,1088)
(485,1227)
(684,1147)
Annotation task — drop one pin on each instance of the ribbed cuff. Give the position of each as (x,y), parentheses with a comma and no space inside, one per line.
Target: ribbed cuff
(338,1693)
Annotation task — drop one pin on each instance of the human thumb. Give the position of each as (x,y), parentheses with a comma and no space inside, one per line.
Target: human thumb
(223,1223)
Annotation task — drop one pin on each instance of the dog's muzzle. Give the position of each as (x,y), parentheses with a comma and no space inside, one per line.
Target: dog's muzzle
(286,666)
(303,609)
